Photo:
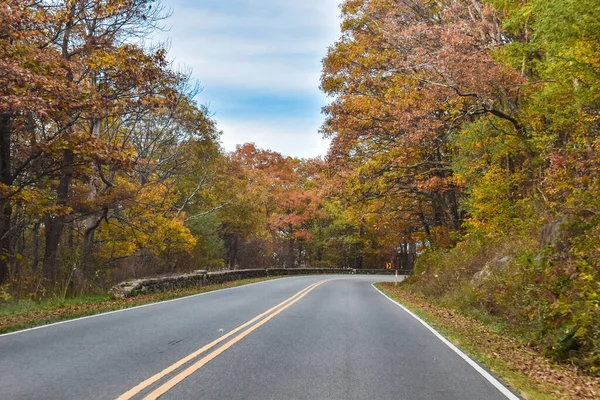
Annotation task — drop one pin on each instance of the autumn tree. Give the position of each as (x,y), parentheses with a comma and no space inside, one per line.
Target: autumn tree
(405,76)
(32,93)
(276,207)
(92,36)
(99,136)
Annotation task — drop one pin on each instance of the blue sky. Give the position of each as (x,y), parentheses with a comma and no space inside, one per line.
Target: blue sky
(259,62)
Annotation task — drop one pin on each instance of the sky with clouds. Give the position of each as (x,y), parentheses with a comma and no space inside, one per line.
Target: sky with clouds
(259,62)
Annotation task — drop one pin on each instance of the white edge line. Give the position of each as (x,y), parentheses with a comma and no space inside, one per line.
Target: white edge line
(138,307)
(503,389)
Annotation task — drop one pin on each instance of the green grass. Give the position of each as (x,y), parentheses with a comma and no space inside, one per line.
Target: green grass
(29,314)
(24,307)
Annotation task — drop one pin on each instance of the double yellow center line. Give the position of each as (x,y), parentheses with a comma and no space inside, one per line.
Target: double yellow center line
(253,324)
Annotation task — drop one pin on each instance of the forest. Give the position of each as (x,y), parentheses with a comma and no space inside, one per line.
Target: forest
(465,144)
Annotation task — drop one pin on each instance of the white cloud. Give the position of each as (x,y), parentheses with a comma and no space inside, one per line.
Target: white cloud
(261,49)
(267,45)
(288,137)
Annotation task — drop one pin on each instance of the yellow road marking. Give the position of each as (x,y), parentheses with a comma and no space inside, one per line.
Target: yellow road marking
(155,378)
(177,379)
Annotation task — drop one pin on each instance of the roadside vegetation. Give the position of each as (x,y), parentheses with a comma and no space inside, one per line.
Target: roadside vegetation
(29,314)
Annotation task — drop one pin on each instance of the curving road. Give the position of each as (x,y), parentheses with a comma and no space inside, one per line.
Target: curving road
(308,338)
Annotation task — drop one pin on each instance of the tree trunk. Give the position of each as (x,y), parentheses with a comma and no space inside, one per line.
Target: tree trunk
(92,222)
(55,223)
(453,211)
(86,255)
(5,206)
(52,232)
(359,260)
(87,249)
(35,247)
(426,226)
(291,253)
(438,211)
(232,247)
(406,256)
(301,255)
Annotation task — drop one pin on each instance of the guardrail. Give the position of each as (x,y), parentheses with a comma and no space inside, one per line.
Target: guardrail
(203,278)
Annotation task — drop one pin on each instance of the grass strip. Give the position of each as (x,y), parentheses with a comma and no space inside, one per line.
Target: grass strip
(530,373)
(24,315)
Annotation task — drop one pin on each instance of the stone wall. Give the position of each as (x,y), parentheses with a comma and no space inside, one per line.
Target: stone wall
(203,278)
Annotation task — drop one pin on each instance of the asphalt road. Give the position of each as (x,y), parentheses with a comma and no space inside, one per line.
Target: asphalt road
(340,339)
